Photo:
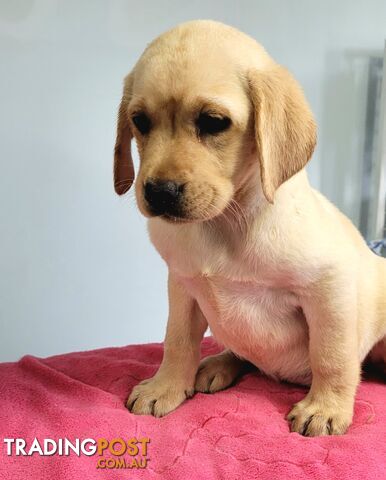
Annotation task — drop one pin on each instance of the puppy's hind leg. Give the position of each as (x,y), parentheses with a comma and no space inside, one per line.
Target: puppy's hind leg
(218,372)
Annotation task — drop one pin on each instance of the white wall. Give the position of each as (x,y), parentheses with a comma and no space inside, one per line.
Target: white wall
(76,267)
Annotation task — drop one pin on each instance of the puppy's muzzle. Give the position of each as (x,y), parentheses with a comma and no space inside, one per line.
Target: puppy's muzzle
(164,198)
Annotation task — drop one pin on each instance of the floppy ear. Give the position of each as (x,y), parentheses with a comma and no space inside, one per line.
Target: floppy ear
(285,129)
(123,162)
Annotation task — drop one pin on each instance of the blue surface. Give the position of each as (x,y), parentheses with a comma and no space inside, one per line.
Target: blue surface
(378,246)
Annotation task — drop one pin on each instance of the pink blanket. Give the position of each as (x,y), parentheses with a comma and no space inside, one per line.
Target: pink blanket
(239,433)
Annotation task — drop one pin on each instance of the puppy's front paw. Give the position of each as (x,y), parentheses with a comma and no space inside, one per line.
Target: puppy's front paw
(157,397)
(218,372)
(314,418)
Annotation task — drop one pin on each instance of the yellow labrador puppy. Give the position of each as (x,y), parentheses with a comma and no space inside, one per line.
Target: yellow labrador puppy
(282,278)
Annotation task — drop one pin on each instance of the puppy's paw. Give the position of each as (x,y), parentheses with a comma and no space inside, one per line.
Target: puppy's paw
(157,397)
(312,418)
(217,372)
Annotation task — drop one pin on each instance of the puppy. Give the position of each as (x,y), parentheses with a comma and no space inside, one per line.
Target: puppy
(282,278)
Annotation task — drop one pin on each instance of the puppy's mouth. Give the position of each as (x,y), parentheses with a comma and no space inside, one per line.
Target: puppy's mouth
(197,216)
(171,213)
(173,219)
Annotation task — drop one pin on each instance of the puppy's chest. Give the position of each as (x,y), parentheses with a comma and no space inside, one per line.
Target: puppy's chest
(261,324)
(240,295)
(189,252)
(244,308)
(248,302)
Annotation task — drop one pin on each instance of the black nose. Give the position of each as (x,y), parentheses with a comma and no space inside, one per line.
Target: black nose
(163,197)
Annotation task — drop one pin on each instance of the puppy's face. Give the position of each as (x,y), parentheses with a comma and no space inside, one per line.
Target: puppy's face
(201,119)
(192,135)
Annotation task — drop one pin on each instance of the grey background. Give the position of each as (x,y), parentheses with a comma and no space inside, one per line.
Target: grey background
(77,270)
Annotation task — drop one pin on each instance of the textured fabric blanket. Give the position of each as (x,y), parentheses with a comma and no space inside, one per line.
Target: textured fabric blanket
(239,433)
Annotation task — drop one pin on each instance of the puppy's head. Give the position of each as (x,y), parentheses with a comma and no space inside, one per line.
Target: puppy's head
(207,107)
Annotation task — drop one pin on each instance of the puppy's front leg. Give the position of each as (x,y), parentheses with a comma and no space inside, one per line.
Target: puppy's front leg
(331,313)
(174,381)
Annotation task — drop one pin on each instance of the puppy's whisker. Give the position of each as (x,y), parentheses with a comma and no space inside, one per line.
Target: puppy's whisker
(233,214)
(219,214)
(239,210)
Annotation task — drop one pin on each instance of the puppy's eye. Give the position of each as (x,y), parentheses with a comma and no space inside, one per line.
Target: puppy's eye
(212,124)
(142,123)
